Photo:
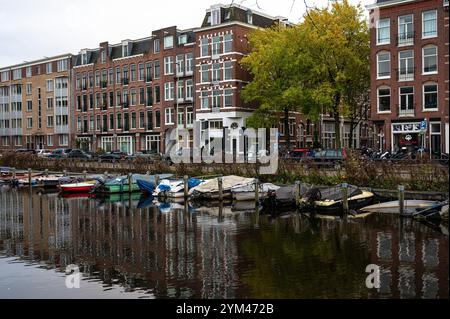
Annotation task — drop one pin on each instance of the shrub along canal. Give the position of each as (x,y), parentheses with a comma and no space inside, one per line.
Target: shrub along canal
(128,248)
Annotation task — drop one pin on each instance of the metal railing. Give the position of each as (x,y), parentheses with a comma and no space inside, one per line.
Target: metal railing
(406,74)
(405,38)
(406,112)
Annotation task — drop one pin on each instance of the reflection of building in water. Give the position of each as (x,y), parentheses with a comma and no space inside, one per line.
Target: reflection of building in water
(411,262)
(176,255)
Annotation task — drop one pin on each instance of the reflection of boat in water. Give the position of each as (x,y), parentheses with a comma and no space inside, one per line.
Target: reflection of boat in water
(76,195)
(330,200)
(117,198)
(280,200)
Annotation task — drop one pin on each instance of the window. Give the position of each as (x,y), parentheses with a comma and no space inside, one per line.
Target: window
(28,72)
(216,125)
(249,17)
(168,42)
(189,116)
(180,64)
(49,103)
(168,91)
(133,97)
(149,96)
(169,116)
(64,140)
(168,65)
(204,49)
(180,90)
(157,94)
(215,46)
(119,121)
(97,78)
(384,65)
(125,99)
(227,43)
(118,98)
(141,120)
(111,99)
(189,63)
(215,16)
(118,75)
(430,96)
(383,31)
(204,100)
(216,72)
(429,24)
(141,72)
(406,101)
(189,90)
(430,59)
(29,88)
(29,122)
(125,49)
(406,65)
(180,116)
(111,76)
(149,71)
(125,75)
(141,96)
(216,99)
(158,118)
(133,120)
(182,39)
(49,85)
(5,76)
(84,58)
(228,98)
(49,140)
(156,48)
(62,65)
(384,99)
(49,68)
(111,121)
(157,73)
(91,80)
(228,70)
(204,73)
(17,74)
(50,121)
(405,30)
(133,72)
(149,120)
(29,106)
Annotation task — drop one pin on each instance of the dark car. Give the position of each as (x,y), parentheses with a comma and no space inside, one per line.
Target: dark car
(110,157)
(331,157)
(79,154)
(60,153)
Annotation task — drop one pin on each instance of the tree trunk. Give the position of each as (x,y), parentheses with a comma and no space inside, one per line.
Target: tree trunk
(286,129)
(337,120)
(350,139)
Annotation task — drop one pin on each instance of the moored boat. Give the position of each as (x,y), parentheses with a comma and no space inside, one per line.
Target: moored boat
(174,188)
(210,188)
(393,207)
(78,187)
(247,192)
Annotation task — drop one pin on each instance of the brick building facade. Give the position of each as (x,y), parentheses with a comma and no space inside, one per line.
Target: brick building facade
(410,74)
(35,104)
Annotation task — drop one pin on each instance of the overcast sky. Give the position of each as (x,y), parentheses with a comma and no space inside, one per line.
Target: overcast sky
(31,29)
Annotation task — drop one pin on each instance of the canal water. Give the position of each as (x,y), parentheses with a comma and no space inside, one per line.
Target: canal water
(128,248)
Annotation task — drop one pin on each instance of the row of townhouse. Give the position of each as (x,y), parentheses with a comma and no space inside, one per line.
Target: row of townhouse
(410,74)
(126,96)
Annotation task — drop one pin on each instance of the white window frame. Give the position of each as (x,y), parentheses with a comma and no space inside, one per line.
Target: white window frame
(423,97)
(52,85)
(423,59)
(377,34)
(168,65)
(407,76)
(168,116)
(168,42)
(423,25)
(378,65)
(169,91)
(49,140)
(406,39)
(378,99)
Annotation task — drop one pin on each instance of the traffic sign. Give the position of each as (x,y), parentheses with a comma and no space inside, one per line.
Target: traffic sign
(423,125)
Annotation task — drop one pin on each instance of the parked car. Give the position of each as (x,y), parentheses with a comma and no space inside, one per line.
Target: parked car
(79,154)
(60,153)
(142,155)
(43,153)
(330,157)
(109,157)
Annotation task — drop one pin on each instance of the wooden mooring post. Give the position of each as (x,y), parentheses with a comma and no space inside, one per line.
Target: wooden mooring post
(256,192)
(29,179)
(156,180)
(345,208)
(46,172)
(186,186)
(130,183)
(297,192)
(14,173)
(220,185)
(401,199)
(84,175)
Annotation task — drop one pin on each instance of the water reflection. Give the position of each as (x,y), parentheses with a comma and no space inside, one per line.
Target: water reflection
(179,251)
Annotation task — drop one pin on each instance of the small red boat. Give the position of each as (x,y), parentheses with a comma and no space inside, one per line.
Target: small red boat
(83,187)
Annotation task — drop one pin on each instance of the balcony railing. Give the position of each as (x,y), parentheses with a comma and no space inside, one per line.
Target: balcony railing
(405,38)
(406,74)
(406,112)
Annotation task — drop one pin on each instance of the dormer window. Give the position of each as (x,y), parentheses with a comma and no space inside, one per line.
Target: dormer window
(125,50)
(83,57)
(168,42)
(228,15)
(249,17)
(215,16)
(182,39)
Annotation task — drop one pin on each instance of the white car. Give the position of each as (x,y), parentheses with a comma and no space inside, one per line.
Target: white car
(43,153)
